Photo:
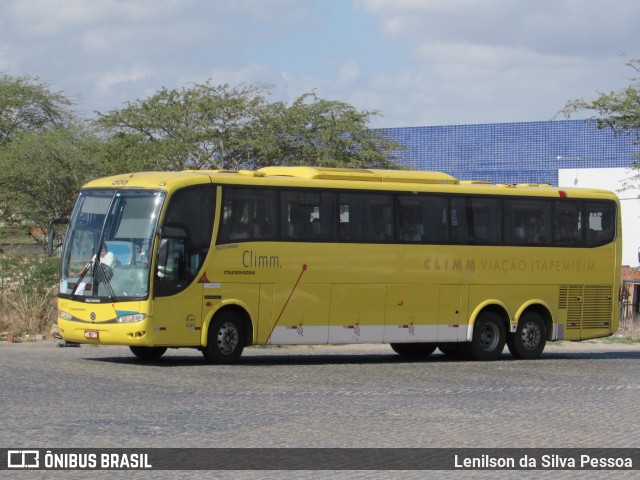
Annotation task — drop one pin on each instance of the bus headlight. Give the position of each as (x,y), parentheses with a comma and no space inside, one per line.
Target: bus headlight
(131,318)
(64,315)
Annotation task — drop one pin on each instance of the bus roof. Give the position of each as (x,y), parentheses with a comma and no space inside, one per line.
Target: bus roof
(367,175)
(334,177)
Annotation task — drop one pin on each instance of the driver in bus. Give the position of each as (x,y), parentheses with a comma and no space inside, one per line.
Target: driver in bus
(108,258)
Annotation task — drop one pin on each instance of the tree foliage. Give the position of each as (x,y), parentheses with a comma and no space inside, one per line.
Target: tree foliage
(28,105)
(201,127)
(618,110)
(47,153)
(318,132)
(226,127)
(41,173)
(43,157)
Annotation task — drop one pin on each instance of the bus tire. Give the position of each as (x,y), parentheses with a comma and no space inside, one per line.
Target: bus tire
(489,337)
(530,338)
(454,350)
(225,339)
(414,350)
(148,353)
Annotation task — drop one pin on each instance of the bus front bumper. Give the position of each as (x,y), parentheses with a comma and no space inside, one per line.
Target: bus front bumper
(130,334)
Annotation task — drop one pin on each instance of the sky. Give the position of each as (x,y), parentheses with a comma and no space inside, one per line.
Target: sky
(416,62)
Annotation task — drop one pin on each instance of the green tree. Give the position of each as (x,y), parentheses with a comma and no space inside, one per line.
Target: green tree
(41,173)
(226,127)
(618,110)
(319,132)
(28,105)
(42,154)
(201,127)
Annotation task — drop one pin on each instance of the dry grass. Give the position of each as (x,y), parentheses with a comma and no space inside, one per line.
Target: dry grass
(629,329)
(27,312)
(28,289)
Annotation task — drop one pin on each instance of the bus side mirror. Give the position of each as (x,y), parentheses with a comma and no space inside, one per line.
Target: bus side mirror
(51,234)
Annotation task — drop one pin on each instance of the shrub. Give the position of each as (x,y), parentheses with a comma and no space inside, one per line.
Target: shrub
(28,289)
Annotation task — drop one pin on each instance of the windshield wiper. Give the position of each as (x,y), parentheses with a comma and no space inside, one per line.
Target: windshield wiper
(105,272)
(83,274)
(101,274)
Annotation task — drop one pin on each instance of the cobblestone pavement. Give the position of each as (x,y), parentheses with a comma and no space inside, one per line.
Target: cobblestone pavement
(578,395)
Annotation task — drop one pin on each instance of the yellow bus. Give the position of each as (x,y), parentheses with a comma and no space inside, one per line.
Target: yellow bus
(221,260)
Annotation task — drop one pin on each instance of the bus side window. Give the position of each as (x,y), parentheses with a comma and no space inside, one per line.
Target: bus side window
(435,219)
(568,224)
(485,222)
(458,214)
(601,223)
(247,215)
(410,228)
(365,217)
(307,216)
(526,221)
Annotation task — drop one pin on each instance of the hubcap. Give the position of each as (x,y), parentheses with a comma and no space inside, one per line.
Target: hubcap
(227,338)
(489,337)
(530,335)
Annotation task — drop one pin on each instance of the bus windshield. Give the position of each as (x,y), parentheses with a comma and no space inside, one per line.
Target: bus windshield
(109,243)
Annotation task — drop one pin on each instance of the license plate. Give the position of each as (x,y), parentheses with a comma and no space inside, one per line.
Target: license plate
(92,334)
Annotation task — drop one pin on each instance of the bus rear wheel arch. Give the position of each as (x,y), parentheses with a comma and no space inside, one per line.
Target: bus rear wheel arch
(226,337)
(530,337)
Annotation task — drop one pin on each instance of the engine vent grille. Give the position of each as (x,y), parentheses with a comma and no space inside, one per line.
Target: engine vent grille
(587,306)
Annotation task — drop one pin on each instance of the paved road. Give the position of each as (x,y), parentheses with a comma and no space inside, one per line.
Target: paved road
(577,395)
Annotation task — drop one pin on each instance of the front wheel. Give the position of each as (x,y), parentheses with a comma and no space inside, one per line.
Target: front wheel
(414,350)
(489,337)
(530,338)
(148,353)
(225,339)
(455,350)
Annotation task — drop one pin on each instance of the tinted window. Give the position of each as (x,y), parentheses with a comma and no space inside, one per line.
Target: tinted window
(527,221)
(307,215)
(247,215)
(484,225)
(185,239)
(365,217)
(423,218)
(601,223)
(568,223)
(368,217)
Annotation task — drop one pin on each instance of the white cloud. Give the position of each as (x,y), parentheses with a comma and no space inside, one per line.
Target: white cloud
(552,26)
(418,61)
(500,60)
(43,18)
(348,73)
(112,79)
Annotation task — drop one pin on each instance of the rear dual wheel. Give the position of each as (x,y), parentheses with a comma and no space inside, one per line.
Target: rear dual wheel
(489,337)
(530,337)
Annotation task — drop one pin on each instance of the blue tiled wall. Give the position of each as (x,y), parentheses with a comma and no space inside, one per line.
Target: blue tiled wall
(528,152)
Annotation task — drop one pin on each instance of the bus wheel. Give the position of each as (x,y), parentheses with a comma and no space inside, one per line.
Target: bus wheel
(414,350)
(225,339)
(454,350)
(530,338)
(148,353)
(489,337)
